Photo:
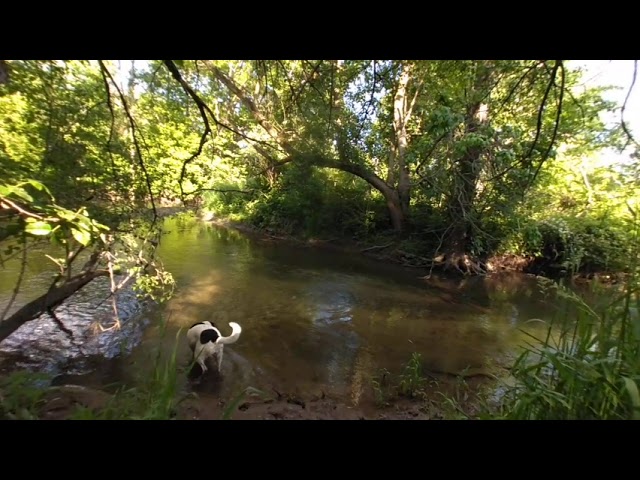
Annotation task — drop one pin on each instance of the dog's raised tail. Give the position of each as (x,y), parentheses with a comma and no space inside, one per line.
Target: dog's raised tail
(235,334)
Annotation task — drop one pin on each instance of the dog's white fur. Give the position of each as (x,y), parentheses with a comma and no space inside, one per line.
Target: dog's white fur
(210,344)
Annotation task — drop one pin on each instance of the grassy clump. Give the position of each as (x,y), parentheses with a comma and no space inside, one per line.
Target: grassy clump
(587,366)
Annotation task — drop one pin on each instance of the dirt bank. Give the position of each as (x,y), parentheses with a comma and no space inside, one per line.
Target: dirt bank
(64,402)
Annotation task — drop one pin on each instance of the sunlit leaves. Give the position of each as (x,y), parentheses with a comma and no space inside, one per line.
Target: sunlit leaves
(43,217)
(35,227)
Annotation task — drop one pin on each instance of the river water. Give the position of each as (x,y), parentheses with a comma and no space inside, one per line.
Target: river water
(312,319)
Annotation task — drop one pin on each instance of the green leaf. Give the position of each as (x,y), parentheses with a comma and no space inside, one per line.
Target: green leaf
(38,228)
(19,192)
(39,186)
(67,215)
(82,236)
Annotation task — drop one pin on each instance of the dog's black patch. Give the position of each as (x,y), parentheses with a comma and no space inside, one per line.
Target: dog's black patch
(209,335)
(199,323)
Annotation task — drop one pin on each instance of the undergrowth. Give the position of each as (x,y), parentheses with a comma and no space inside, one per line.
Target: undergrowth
(587,366)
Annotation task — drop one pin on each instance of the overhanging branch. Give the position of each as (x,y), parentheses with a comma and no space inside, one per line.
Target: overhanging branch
(624,106)
(135,137)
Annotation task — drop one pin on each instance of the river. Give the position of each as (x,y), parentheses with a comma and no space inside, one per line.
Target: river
(312,319)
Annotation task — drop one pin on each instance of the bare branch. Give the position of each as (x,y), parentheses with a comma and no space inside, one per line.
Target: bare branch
(624,106)
(557,123)
(5,203)
(113,121)
(521,161)
(135,138)
(202,107)
(59,323)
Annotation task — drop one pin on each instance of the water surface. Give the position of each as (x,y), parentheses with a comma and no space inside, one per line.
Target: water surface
(313,319)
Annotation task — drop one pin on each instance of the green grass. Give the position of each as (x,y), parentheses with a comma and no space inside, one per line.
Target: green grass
(155,398)
(584,368)
(411,379)
(237,400)
(588,364)
(21,396)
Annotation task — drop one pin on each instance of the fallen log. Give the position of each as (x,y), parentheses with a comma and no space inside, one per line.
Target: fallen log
(52,298)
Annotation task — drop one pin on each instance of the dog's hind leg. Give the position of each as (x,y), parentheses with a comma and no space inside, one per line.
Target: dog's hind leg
(220,361)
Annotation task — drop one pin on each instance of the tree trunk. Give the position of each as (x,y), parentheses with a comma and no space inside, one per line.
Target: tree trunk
(401,116)
(467,170)
(398,172)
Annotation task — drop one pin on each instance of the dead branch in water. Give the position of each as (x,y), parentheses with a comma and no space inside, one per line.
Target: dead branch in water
(376,247)
(52,298)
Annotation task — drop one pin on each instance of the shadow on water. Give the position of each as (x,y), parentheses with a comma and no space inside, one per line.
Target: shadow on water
(322,320)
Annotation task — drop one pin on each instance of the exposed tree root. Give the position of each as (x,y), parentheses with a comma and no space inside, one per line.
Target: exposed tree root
(461,263)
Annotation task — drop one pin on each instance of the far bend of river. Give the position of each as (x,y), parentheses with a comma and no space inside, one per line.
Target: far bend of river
(316,319)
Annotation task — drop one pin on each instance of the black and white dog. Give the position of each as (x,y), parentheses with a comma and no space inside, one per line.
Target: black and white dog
(206,342)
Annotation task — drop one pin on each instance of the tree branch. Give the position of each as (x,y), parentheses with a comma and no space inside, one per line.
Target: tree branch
(551,83)
(624,106)
(4,72)
(223,190)
(135,138)
(557,122)
(202,107)
(248,102)
(113,121)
